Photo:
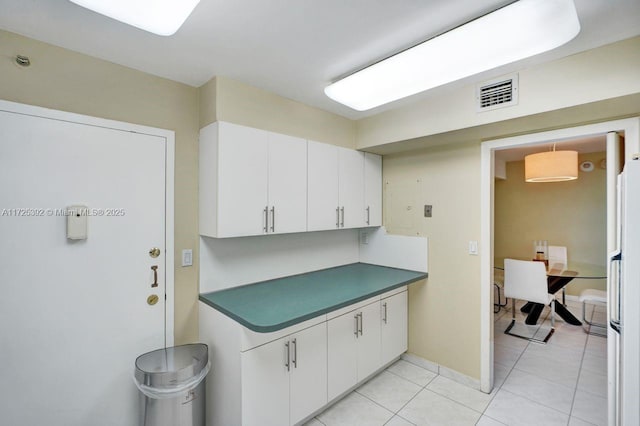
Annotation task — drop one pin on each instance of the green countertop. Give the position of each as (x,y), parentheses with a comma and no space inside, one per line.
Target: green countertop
(276,304)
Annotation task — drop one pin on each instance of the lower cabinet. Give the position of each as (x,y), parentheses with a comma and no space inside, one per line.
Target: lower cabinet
(353,348)
(285,380)
(281,378)
(393,326)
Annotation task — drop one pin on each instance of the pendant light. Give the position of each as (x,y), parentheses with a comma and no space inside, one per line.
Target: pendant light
(551,166)
(516,31)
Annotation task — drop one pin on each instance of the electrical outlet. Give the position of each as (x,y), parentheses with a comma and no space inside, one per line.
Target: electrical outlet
(428,208)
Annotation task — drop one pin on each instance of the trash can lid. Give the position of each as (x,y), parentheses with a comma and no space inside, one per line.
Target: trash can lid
(172,366)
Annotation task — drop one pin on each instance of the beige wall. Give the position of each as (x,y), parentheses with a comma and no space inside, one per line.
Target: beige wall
(444,309)
(571,214)
(230,100)
(68,81)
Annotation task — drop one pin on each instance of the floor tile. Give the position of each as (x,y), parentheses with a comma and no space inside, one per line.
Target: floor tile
(398,421)
(412,372)
(500,373)
(590,408)
(506,355)
(537,389)
(594,363)
(488,421)
(594,383)
(596,345)
(465,395)
(389,390)
(355,409)
(574,421)
(429,408)
(561,372)
(514,410)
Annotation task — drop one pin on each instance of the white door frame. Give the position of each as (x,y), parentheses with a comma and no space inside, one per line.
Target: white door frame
(169,136)
(631,129)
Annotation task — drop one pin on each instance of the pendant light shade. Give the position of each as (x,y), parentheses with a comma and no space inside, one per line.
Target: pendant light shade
(552,166)
(516,31)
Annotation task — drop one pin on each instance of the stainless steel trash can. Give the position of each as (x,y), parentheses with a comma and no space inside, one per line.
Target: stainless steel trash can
(172,384)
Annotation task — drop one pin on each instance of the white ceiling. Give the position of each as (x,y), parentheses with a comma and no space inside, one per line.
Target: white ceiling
(293,48)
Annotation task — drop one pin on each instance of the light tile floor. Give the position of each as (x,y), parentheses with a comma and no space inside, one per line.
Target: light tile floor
(561,383)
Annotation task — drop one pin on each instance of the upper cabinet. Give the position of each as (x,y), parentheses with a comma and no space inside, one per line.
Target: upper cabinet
(252,182)
(255,182)
(336,188)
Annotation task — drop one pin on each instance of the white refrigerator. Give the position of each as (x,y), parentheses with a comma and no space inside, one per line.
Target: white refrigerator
(624,304)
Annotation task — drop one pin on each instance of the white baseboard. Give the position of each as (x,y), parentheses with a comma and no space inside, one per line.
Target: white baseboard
(463,379)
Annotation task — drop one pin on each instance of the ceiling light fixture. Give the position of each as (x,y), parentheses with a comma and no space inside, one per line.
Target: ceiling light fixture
(551,166)
(517,31)
(161,17)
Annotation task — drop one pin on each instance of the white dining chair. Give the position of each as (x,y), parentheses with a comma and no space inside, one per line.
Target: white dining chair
(558,260)
(527,280)
(498,283)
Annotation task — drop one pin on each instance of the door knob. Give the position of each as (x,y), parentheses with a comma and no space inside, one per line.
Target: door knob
(154,252)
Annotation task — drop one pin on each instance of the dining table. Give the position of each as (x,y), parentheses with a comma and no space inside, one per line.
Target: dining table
(558,276)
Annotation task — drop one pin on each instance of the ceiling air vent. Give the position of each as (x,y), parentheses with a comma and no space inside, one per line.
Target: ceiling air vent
(498,93)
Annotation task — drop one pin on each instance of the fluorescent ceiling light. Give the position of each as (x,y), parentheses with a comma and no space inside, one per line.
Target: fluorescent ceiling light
(162,17)
(514,32)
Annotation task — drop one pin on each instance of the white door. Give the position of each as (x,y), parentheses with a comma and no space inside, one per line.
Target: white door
(393,333)
(308,378)
(373,189)
(287,184)
(73,313)
(242,186)
(342,354)
(369,341)
(351,188)
(265,384)
(322,210)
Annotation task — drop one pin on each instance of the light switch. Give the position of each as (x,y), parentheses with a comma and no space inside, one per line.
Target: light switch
(187,257)
(428,210)
(473,248)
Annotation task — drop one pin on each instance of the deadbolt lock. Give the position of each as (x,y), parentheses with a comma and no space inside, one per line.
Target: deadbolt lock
(154,252)
(152,299)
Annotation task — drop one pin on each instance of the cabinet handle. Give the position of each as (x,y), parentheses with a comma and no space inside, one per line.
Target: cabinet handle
(286,350)
(355,317)
(337,217)
(360,315)
(368,215)
(295,353)
(342,222)
(266,219)
(384,307)
(273,218)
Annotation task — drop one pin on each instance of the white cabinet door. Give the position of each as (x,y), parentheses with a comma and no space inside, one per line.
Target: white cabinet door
(287,191)
(369,340)
(373,189)
(322,187)
(351,188)
(242,180)
(342,354)
(265,384)
(393,334)
(308,376)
